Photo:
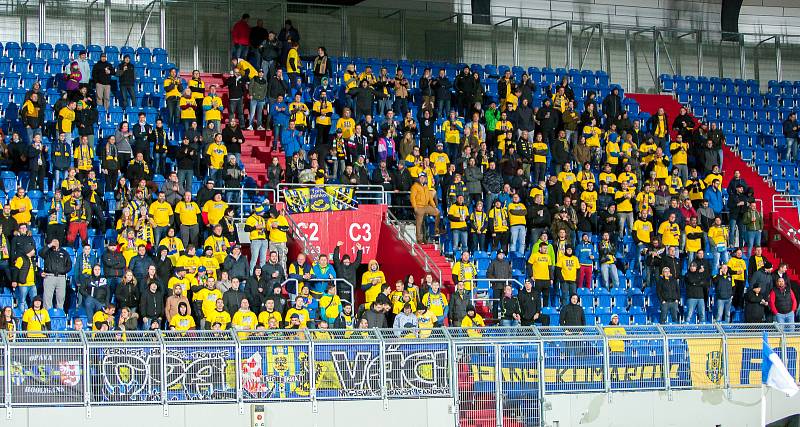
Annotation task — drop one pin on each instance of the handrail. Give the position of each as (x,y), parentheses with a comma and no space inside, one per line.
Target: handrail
(242,190)
(785,201)
(85,381)
(361,193)
(784,227)
(416,250)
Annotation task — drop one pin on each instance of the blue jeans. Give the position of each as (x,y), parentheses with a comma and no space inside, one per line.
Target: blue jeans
(693,304)
(753,239)
(159,233)
(384,105)
(567,289)
(127,96)
(159,163)
(442,107)
(240,51)
(669,308)
(185,178)
(719,257)
(236,109)
(400,107)
(23,294)
(256,111)
(791,149)
(610,275)
(784,318)
(517,239)
(58,177)
(268,66)
(232,197)
(258,253)
(91,305)
(724,310)
(460,240)
(509,322)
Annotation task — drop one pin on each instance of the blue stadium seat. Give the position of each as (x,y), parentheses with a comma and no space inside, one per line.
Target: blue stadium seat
(29,50)
(13,50)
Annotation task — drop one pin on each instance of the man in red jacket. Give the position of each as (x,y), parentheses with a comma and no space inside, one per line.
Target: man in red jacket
(240,36)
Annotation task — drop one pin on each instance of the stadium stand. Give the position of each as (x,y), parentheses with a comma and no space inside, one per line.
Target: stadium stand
(558,197)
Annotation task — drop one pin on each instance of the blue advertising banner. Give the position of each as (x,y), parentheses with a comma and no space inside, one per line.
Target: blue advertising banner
(134,374)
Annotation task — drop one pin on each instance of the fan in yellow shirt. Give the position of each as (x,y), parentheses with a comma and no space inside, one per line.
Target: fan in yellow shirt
(439,159)
(244,319)
(214,209)
(670,231)
(471,322)
(182,321)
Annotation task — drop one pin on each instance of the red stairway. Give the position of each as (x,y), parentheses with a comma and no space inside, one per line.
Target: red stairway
(762,189)
(257,149)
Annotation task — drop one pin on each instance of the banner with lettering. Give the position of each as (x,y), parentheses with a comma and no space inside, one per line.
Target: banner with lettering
(46,375)
(197,373)
(319,199)
(323,230)
(744,361)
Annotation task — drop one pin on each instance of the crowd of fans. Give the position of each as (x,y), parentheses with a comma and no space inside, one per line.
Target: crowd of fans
(569,184)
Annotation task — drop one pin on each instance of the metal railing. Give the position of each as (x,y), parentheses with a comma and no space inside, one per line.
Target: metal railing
(300,236)
(268,195)
(367,194)
(510,371)
(785,201)
(416,250)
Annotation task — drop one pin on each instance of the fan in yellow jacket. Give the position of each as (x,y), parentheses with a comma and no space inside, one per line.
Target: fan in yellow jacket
(371,281)
(244,67)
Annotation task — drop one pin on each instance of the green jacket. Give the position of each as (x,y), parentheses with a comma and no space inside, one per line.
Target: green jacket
(492,117)
(753,220)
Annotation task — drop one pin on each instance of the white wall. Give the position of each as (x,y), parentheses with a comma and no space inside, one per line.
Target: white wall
(687,408)
(400,413)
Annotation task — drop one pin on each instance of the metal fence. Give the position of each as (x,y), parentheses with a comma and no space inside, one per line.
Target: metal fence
(197,35)
(495,375)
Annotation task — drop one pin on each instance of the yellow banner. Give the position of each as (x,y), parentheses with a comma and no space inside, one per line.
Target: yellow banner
(744,359)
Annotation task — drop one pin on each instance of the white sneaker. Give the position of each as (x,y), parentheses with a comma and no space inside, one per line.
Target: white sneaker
(250,127)
(261,128)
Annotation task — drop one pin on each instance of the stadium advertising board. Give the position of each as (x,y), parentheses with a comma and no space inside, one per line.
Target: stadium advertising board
(744,361)
(46,375)
(200,373)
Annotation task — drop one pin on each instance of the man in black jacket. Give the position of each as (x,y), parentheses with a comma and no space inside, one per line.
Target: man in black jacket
(669,293)
(612,107)
(499,271)
(457,306)
(101,74)
(510,311)
(126,74)
(232,298)
(57,264)
(549,119)
(572,314)
(237,86)
(274,271)
(185,157)
(151,305)
(442,89)
(530,301)
(790,130)
(465,91)
(277,86)
(233,138)
(347,270)
(113,265)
